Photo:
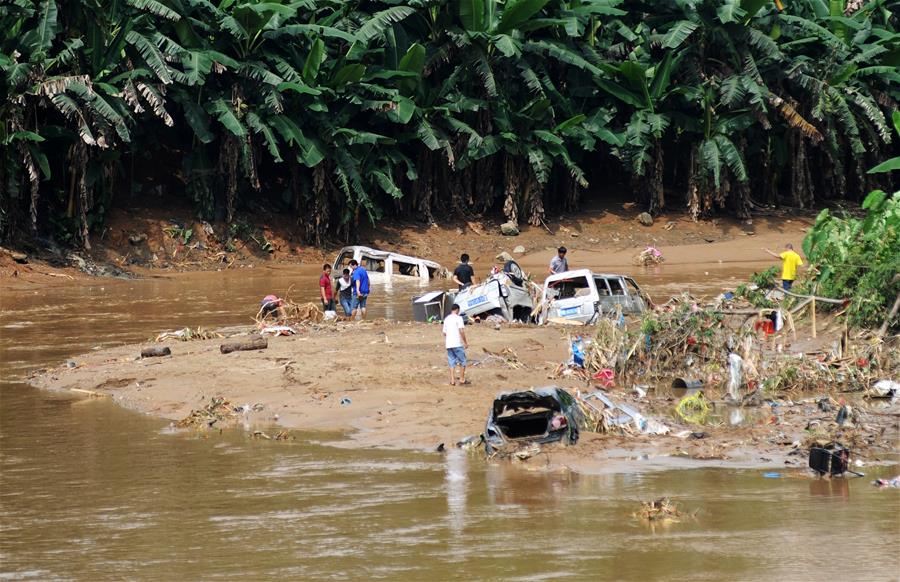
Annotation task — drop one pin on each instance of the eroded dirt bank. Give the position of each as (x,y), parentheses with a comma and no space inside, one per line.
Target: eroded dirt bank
(392,380)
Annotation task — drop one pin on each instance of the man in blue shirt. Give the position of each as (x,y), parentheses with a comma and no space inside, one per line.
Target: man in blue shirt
(359,279)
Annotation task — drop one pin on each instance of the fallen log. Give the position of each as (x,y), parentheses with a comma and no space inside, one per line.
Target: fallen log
(155,352)
(255,342)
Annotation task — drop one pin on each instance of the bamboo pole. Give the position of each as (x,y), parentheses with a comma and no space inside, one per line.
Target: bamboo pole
(813,311)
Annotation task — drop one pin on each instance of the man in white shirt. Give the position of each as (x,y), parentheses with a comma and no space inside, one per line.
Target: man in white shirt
(455,341)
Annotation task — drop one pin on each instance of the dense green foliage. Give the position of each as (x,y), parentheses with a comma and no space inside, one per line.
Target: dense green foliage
(859,258)
(341,111)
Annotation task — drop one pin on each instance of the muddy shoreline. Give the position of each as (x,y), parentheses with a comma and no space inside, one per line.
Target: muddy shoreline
(384,384)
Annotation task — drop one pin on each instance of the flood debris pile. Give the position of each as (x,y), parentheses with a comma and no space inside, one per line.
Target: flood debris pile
(188,334)
(660,511)
(218,410)
(682,338)
(506,357)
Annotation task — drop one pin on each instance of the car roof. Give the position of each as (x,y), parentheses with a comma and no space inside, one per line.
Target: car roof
(578,273)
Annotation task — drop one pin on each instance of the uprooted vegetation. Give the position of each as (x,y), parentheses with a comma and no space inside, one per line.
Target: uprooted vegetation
(681,338)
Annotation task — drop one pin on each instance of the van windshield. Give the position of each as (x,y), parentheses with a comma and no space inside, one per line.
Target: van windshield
(566,288)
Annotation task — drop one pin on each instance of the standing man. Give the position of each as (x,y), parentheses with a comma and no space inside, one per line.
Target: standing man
(325,289)
(789,263)
(559,264)
(456,343)
(345,292)
(464,274)
(359,279)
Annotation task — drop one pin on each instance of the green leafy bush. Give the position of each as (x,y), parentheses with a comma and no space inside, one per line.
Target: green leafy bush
(859,258)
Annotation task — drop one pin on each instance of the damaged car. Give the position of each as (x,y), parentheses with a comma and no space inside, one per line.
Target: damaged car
(385,265)
(537,416)
(584,296)
(506,294)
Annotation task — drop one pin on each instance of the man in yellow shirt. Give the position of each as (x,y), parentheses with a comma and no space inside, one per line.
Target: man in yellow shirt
(789,263)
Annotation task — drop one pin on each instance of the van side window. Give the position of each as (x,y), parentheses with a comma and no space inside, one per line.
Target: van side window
(615,285)
(401,268)
(577,287)
(602,287)
(372,264)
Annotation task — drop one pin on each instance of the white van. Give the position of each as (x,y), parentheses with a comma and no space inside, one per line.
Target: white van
(384,265)
(583,295)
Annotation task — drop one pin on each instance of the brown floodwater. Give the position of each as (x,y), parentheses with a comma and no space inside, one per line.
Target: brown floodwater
(90,491)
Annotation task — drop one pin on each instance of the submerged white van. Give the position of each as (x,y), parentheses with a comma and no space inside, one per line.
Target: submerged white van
(384,265)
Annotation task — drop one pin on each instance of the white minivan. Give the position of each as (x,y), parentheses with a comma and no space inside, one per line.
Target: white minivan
(583,296)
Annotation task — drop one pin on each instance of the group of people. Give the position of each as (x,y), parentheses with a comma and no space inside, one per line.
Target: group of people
(351,289)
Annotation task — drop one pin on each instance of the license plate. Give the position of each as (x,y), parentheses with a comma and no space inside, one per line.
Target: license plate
(476,301)
(569,311)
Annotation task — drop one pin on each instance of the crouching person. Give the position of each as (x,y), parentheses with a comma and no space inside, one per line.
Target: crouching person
(456,343)
(271,306)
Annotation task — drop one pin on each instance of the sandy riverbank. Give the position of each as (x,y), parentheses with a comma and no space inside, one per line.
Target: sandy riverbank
(395,377)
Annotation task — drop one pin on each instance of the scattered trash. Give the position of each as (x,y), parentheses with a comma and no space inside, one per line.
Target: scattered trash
(884,389)
(640,391)
(830,458)
(693,409)
(617,415)
(772,475)
(698,435)
(895,482)
(470,442)
(735,364)
(687,383)
(605,378)
(440,448)
(70,364)
(247,408)
(275,330)
(845,416)
(826,404)
(345,401)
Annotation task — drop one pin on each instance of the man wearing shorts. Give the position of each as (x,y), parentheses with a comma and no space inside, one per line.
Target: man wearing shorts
(360,280)
(326,290)
(456,343)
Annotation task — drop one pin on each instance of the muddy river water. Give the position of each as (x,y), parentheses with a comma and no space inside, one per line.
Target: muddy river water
(90,491)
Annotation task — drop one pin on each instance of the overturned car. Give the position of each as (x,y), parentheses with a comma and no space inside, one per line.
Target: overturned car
(537,416)
(506,293)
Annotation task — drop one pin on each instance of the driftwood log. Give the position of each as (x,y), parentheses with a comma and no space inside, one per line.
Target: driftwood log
(256,342)
(156,351)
